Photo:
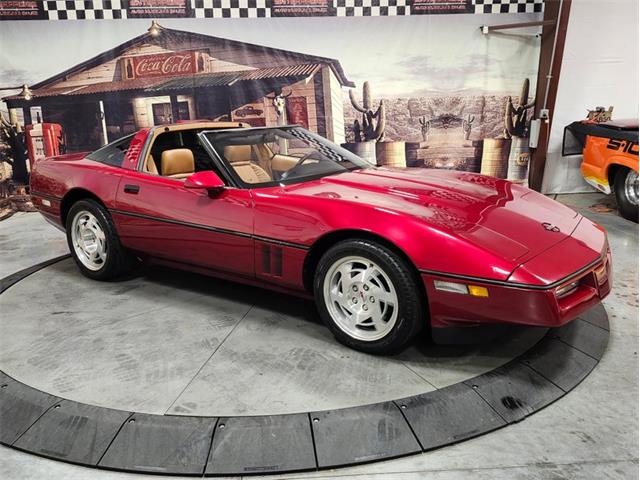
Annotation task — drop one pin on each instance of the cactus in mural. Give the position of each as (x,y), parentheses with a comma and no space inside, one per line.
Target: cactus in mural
(515,117)
(466,126)
(373,123)
(425,128)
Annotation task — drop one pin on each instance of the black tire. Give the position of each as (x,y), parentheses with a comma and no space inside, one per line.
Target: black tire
(118,260)
(627,208)
(411,312)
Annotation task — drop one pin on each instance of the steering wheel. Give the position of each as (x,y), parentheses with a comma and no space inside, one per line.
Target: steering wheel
(303,159)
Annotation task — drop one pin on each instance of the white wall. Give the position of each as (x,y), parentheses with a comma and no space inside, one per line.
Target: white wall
(599,68)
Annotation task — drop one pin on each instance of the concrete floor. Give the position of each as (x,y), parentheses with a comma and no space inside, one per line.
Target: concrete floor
(590,433)
(26,240)
(173,342)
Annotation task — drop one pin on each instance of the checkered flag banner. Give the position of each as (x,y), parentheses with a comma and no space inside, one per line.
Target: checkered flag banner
(121,9)
(230,8)
(371,8)
(84,9)
(322,148)
(508,6)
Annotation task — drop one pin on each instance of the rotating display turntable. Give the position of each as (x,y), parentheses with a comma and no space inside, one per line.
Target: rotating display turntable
(176,373)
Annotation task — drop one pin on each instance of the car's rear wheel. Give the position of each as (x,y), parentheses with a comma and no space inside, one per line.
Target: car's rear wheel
(626,190)
(94,243)
(368,297)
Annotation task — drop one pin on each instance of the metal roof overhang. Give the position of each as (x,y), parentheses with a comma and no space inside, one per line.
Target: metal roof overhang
(208,80)
(159,85)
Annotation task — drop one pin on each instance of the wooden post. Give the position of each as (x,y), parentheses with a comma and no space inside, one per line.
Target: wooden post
(547,55)
(26,111)
(13,116)
(175,112)
(103,123)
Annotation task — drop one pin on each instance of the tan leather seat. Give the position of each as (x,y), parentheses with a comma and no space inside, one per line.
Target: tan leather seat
(177,163)
(240,158)
(150,165)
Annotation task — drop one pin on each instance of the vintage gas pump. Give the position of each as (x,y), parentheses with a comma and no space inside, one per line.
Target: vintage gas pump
(44,140)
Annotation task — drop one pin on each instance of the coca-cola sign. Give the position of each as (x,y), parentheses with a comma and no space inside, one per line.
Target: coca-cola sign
(162,64)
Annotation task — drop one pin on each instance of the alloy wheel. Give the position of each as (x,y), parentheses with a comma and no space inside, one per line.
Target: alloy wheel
(361,298)
(89,241)
(631,187)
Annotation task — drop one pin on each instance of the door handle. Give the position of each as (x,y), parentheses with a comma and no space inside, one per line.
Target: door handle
(131,189)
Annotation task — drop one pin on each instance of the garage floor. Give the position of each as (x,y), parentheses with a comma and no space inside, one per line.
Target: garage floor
(591,433)
(182,344)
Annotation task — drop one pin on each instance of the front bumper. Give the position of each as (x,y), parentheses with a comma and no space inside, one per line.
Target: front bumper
(599,184)
(537,306)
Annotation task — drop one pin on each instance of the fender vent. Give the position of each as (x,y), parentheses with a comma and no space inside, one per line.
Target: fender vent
(272,260)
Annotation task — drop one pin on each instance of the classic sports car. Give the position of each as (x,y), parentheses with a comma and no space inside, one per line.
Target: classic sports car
(385,252)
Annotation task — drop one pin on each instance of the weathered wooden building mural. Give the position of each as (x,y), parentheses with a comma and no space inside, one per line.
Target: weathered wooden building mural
(402,83)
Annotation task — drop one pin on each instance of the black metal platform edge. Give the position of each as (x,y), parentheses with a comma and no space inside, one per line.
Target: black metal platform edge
(278,444)
(14,278)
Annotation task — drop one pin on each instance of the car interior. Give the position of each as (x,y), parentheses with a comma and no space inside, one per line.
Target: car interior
(178,154)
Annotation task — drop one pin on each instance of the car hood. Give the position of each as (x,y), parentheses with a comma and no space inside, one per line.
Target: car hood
(503,218)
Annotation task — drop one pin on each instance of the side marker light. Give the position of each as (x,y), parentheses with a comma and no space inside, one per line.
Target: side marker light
(454,287)
(478,291)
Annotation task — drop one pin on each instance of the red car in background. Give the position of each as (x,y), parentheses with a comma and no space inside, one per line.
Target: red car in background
(384,252)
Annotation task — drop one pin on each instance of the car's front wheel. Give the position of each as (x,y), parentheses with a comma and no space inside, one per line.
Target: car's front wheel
(94,243)
(626,190)
(368,297)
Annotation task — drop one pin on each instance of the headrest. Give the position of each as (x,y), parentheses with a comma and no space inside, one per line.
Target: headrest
(176,161)
(237,153)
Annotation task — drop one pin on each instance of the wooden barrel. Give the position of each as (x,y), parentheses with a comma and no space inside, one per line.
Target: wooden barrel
(474,163)
(415,153)
(366,150)
(495,157)
(391,154)
(519,156)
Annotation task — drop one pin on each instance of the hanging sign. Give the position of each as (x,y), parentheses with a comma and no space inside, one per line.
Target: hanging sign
(424,7)
(297,111)
(162,64)
(158,8)
(251,113)
(301,8)
(21,10)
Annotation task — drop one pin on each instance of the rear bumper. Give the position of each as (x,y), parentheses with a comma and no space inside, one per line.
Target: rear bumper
(49,207)
(536,306)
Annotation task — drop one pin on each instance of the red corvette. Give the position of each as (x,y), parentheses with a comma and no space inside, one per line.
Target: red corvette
(383,251)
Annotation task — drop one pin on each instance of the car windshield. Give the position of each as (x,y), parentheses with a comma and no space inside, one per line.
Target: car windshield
(271,156)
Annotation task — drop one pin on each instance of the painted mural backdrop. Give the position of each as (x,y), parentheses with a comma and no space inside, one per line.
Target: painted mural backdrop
(400,82)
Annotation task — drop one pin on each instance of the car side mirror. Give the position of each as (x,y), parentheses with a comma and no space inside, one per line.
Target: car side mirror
(207,180)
